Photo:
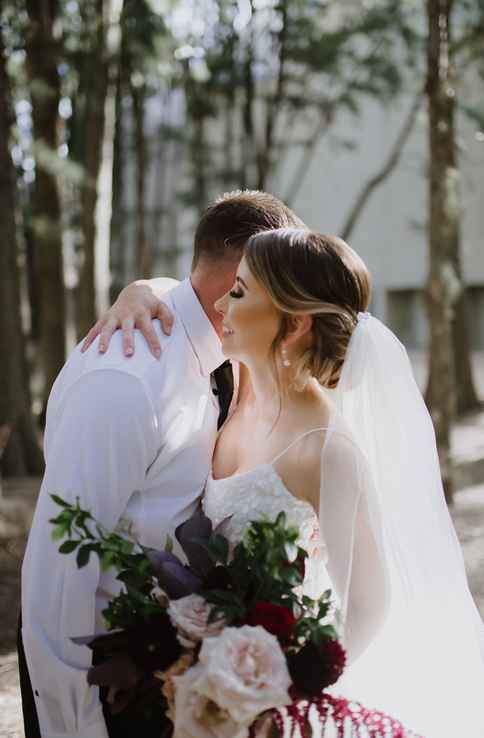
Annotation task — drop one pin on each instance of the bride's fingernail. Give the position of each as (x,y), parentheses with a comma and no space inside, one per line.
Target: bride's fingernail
(129,351)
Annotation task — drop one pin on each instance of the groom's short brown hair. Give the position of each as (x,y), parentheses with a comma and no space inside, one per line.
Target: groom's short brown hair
(229,222)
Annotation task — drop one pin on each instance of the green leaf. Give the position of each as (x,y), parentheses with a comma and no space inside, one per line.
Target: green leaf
(59,501)
(58,532)
(107,560)
(168,544)
(68,546)
(83,556)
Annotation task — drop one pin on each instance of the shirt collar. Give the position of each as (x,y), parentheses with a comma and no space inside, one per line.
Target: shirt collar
(200,331)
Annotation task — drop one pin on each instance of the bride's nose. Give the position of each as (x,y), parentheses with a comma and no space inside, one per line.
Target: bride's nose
(220,305)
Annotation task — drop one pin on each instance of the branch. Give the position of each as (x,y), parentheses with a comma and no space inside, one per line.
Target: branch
(301,170)
(386,169)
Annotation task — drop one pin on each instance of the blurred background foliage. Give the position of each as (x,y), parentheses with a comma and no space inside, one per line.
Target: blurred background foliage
(238,86)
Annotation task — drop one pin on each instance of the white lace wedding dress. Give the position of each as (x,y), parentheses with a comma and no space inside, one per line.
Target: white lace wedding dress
(261,492)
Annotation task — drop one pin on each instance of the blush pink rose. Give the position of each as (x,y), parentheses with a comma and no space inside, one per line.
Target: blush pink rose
(197,716)
(244,672)
(190,617)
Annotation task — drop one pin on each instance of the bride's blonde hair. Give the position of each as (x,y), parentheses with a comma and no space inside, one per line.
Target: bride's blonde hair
(308,273)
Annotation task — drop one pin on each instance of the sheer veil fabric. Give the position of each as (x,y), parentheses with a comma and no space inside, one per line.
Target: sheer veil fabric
(414,637)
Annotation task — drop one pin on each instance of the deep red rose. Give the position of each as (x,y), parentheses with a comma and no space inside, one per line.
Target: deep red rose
(314,668)
(275,619)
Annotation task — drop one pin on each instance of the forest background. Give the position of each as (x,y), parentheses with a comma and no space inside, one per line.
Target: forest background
(77,81)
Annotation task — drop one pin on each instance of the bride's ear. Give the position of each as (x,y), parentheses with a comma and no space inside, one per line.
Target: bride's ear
(299,326)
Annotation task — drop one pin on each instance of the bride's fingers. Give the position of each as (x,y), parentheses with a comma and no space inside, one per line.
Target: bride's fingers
(128,336)
(93,333)
(145,325)
(109,327)
(165,316)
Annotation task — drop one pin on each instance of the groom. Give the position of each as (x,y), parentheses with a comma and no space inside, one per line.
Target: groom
(133,439)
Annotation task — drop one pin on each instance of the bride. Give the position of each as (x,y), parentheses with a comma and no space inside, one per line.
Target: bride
(330,427)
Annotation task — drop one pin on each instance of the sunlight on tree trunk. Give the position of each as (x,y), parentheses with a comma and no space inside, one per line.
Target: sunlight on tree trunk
(94,91)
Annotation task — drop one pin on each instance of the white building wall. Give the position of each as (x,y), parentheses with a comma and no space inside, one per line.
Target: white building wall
(391,234)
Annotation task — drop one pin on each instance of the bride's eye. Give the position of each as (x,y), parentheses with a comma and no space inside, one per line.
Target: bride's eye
(237,295)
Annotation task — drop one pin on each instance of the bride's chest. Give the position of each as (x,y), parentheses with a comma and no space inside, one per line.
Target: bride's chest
(253,495)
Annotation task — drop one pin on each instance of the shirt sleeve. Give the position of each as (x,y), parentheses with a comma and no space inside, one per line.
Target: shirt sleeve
(99,450)
(352,533)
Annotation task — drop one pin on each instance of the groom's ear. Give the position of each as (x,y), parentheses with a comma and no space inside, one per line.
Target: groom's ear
(298,326)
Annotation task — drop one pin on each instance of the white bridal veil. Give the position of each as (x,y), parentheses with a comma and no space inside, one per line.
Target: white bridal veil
(414,635)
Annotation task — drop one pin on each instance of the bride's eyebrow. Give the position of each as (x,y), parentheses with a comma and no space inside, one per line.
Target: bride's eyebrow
(239,279)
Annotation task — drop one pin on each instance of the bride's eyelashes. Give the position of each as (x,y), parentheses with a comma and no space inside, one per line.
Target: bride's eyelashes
(237,295)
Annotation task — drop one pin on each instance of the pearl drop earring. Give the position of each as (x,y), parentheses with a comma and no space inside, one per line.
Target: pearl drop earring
(285,358)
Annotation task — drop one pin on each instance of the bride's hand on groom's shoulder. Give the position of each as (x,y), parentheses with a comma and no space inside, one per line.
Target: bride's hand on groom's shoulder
(136,306)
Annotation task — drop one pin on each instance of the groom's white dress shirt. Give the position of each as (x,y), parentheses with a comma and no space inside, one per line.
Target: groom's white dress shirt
(133,438)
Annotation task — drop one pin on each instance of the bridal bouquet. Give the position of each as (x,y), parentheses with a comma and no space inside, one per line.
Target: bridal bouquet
(232,646)
(229,635)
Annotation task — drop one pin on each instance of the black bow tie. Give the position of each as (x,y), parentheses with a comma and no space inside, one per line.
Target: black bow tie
(224,379)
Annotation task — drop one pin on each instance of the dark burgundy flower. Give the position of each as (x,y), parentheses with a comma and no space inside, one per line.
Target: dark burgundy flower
(314,668)
(152,644)
(276,619)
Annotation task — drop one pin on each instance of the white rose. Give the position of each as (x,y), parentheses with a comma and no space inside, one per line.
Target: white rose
(190,616)
(244,672)
(196,716)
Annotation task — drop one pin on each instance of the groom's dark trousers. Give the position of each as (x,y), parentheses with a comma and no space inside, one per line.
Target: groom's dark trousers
(124,725)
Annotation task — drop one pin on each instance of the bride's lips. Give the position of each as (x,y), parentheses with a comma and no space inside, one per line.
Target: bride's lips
(226,331)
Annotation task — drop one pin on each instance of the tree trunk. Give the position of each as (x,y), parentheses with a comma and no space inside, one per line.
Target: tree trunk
(117,254)
(444,284)
(95,89)
(265,156)
(143,248)
(42,59)
(22,455)
(467,398)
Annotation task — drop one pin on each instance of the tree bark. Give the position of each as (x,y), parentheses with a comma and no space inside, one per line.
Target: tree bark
(42,60)
(444,284)
(23,454)
(265,156)
(467,399)
(94,89)
(143,248)
(117,254)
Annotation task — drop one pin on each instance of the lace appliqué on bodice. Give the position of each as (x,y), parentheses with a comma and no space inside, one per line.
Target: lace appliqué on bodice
(262,493)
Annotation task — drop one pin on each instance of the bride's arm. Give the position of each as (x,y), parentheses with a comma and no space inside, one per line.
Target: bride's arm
(136,306)
(351,532)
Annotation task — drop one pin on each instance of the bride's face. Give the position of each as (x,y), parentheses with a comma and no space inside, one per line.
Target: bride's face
(250,319)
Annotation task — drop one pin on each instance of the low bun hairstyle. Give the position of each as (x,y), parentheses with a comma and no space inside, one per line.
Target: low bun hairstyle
(307,273)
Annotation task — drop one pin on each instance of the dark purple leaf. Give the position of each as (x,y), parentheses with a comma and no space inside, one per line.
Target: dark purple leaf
(159,558)
(174,578)
(177,580)
(190,535)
